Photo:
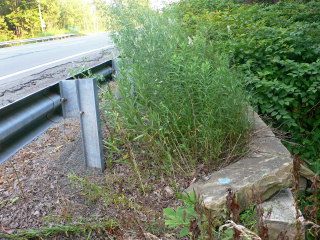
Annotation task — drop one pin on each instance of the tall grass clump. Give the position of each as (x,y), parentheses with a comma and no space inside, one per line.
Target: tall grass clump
(181,98)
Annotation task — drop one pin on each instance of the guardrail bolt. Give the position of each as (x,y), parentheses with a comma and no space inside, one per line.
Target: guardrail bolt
(82,112)
(64,99)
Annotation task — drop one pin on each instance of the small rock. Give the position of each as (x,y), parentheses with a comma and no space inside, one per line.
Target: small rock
(169,236)
(150,236)
(5,194)
(205,178)
(36,213)
(169,191)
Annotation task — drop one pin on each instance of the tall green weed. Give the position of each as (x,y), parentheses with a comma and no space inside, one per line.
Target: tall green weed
(182,98)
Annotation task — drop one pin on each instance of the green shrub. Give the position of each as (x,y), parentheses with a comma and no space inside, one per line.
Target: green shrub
(277,47)
(177,93)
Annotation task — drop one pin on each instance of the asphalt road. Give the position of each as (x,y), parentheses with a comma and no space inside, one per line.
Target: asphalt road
(25,59)
(28,67)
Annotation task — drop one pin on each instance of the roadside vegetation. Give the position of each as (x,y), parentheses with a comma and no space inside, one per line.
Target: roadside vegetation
(276,47)
(179,109)
(179,99)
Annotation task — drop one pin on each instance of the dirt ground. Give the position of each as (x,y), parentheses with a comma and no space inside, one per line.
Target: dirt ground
(34,184)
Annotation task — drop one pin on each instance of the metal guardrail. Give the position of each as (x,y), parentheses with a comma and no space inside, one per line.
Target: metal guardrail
(40,39)
(75,97)
(27,118)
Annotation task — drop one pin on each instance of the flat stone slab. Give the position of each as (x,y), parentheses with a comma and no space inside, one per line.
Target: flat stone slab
(267,168)
(283,215)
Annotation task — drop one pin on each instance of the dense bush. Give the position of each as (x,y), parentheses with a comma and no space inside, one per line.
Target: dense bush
(277,47)
(182,98)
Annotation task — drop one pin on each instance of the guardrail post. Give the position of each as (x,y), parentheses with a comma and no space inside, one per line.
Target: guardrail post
(90,122)
(80,99)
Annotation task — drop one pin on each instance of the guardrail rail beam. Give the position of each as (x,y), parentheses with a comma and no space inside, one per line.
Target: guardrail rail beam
(27,118)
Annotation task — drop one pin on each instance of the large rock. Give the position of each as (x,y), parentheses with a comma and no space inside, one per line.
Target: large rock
(283,215)
(267,168)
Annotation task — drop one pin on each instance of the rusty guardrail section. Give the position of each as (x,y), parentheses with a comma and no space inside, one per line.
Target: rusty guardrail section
(74,97)
(40,39)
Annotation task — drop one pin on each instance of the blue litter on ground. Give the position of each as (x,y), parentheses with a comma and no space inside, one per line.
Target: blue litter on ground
(224,180)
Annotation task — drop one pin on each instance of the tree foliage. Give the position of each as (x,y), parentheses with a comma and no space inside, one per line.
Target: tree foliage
(21,18)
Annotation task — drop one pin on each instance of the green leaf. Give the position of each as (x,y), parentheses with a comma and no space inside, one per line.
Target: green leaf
(184,232)
(228,234)
(172,223)
(169,212)
(138,137)
(14,200)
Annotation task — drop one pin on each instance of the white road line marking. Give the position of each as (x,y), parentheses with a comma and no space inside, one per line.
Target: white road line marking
(56,61)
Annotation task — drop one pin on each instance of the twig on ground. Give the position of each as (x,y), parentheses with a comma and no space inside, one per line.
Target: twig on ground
(18,178)
(244,232)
